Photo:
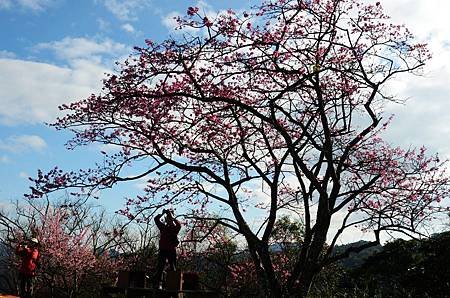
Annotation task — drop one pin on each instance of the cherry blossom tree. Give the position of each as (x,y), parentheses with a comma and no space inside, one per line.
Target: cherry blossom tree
(74,255)
(275,110)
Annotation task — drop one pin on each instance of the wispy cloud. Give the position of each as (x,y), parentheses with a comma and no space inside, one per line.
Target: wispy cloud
(33,5)
(6,4)
(128,28)
(125,10)
(71,48)
(103,25)
(6,54)
(23,143)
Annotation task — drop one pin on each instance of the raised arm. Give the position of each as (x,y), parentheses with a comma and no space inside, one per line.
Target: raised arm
(22,249)
(174,220)
(19,249)
(158,222)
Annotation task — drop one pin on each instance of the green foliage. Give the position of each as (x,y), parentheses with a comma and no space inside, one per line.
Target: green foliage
(287,231)
(326,283)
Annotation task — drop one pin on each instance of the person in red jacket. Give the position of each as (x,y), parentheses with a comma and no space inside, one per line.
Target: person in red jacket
(168,242)
(29,254)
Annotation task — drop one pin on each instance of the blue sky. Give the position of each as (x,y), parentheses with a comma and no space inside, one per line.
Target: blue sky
(55,51)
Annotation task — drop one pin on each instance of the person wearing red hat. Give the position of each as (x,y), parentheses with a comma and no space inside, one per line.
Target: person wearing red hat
(29,254)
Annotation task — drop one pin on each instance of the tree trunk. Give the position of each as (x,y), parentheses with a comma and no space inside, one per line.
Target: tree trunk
(273,287)
(310,266)
(305,280)
(264,270)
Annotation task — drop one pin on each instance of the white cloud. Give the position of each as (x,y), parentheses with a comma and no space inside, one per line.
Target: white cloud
(34,5)
(30,92)
(71,48)
(125,10)
(6,54)
(128,28)
(23,143)
(425,17)
(424,119)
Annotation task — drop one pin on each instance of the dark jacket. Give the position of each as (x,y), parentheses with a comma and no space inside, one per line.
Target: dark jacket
(168,234)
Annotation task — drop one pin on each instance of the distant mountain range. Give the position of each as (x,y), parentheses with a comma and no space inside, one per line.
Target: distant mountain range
(352,261)
(356,259)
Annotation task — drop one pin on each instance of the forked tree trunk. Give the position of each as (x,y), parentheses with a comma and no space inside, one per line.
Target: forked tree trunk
(306,280)
(264,271)
(310,264)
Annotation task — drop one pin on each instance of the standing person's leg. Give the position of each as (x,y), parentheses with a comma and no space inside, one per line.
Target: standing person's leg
(159,269)
(172,259)
(21,285)
(29,286)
